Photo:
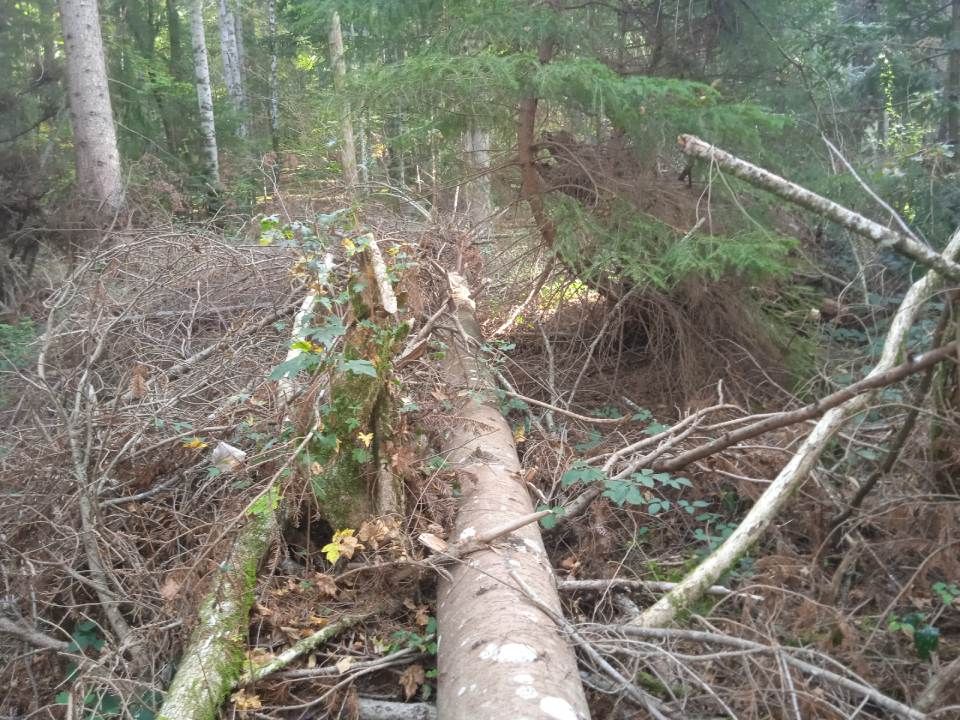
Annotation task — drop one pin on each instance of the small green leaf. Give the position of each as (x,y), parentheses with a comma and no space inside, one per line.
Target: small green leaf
(293,366)
(359,367)
(580,473)
(623,491)
(63,698)
(926,640)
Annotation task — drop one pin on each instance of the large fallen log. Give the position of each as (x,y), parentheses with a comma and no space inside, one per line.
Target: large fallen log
(499,654)
(213,660)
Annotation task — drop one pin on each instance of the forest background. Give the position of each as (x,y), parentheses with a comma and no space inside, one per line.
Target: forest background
(266,266)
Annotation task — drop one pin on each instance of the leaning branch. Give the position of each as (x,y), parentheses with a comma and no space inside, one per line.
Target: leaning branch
(791,192)
(873,381)
(769,504)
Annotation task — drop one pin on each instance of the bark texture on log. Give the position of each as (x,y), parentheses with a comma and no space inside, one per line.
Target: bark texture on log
(499,655)
(214,657)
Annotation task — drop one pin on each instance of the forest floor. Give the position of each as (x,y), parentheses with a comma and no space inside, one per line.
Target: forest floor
(159,347)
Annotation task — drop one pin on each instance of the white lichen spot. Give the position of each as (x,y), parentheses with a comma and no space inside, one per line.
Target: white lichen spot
(461,691)
(513,563)
(511,653)
(523,679)
(557,708)
(526,692)
(467,533)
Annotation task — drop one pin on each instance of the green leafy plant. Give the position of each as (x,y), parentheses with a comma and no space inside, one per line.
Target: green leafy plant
(947,592)
(926,637)
(425,642)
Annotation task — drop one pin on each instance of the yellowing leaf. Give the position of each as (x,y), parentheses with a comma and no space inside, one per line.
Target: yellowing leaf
(195,443)
(343,544)
(349,245)
(519,434)
(365,438)
(246,702)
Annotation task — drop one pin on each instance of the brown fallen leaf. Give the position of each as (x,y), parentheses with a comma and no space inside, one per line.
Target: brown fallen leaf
(170,589)
(243,701)
(325,584)
(411,680)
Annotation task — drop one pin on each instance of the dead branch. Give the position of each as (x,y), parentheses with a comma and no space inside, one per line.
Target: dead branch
(874,381)
(259,672)
(862,689)
(766,508)
(852,221)
(652,585)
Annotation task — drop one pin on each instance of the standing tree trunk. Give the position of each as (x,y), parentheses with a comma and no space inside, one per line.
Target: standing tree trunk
(476,148)
(274,78)
(500,655)
(201,68)
(952,84)
(94,135)
(231,54)
(348,152)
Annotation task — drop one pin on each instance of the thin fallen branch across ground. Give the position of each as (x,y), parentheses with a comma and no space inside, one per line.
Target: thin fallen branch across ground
(778,493)
(787,654)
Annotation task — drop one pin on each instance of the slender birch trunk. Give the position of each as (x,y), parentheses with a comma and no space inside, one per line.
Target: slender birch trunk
(201,68)
(230,54)
(348,152)
(952,84)
(94,135)
(274,80)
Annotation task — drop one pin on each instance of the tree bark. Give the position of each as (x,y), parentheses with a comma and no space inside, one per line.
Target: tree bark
(476,150)
(952,84)
(201,67)
(94,135)
(232,72)
(274,80)
(348,152)
(214,657)
(499,655)
(768,505)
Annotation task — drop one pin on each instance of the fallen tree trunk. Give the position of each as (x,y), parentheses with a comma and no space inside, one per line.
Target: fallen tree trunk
(791,192)
(213,660)
(499,655)
(765,509)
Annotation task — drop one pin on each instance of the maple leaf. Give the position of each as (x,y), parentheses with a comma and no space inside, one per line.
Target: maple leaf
(365,438)
(411,680)
(343,544)
(325,584)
